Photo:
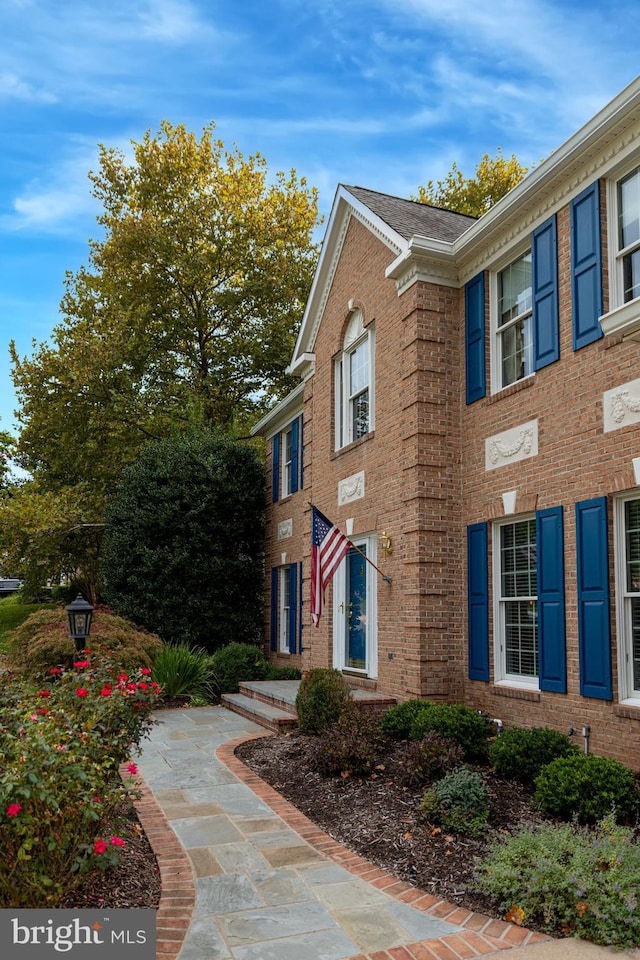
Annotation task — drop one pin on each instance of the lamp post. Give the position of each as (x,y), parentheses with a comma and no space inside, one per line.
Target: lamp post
(80,613)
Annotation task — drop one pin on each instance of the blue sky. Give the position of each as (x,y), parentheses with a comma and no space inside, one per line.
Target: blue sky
(379,93)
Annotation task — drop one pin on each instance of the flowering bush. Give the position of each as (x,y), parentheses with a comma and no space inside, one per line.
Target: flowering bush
(62,744)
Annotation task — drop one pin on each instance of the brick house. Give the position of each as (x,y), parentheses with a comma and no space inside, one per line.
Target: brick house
(469,414)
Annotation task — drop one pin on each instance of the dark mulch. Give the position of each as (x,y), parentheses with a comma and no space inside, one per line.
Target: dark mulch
(379,816)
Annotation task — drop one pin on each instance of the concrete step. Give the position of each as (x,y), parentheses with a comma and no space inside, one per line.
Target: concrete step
(266,714)
(279,693)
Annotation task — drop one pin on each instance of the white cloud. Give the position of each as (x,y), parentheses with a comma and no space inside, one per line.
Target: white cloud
(15,88)
(171,21)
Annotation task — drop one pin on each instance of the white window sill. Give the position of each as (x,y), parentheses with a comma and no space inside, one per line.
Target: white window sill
(518,684)
(624,320)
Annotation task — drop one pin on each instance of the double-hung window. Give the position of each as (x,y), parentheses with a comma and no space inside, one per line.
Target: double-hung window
(354,384)
(628,591)
(286,470)
(514,326)
(288,460)
(628,254)
(284,613)
(517,601)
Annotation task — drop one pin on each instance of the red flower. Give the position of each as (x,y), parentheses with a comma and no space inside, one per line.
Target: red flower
(106,691)
(131,687)
(123,677)
(44,693)
(132,768)
(82,692)
(14,809)
(81,664)
(143,686)
(118,842)
(145,672)
(43,710)
(55,670)
(100,846)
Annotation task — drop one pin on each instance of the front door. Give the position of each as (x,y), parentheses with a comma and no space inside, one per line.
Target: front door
(356,610)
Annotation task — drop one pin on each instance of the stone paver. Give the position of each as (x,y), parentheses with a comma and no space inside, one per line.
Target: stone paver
(246,876)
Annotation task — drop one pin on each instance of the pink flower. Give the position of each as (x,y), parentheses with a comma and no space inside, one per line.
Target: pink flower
(44,693)
(100,846)
(123,677)
(145,672)
(33,716)
(82,692)
(81,664)
(132,768)
(14,809)
(118,842)
(96,800)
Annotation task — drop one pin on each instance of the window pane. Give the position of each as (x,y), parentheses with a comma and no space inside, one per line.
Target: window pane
(629,210)
(632,527)
(518,559)
(360,415)
(359,368)
(635,639)
(517,351)
(285,603)
(521,637)
(514,289)
(631,275)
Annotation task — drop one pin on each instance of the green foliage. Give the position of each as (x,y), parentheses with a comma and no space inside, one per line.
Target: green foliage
(570,880)
(521,754)
(351,744)
(397,722)
(183,671)
(322,696)
(13,612)
(467,727)
(459,802)
(237,662)
(42,641)
(61,747)
(183,550)
(587,788)
(494,177)
(282,673)
(432,757)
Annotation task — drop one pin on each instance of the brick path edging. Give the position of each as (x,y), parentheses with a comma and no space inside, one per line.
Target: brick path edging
(178,889)
(481,934)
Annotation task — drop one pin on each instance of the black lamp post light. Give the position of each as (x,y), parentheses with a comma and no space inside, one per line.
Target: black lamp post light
(80,613)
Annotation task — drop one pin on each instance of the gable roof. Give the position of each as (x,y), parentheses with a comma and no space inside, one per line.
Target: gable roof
(409,218)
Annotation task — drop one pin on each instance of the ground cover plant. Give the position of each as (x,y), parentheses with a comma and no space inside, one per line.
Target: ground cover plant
(13,613)
(414,825)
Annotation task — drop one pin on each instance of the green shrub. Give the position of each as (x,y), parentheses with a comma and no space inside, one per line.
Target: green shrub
(282,673)
(569,879)
(587,788)
(184,542)
(235,663)
(43,641)
(61,748)
(521,754)
(429,759)
(351,744)
(467,727)
(459,802)
(322,696)
(398,721)
(183,671)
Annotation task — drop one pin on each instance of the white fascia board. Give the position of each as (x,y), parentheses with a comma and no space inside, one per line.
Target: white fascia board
(283,413)
(416,248)
(344,205)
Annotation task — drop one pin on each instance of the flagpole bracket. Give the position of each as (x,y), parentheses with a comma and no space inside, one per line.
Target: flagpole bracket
(386,579)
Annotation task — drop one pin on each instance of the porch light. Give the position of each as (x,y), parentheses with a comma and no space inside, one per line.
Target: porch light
(80,613)
(386,544)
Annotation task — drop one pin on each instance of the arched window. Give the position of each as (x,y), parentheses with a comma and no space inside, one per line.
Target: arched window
(354,379)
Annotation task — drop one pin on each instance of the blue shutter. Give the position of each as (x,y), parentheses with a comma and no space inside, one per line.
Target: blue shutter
(293,606)
(301,453)
(544,279)
(551,606)
(478,600)
(273,637)
(475,371)
(275,469)
(586,266)
(300,624)
(594,637)
(295,458)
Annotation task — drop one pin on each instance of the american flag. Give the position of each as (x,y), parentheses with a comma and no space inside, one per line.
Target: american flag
(328,547)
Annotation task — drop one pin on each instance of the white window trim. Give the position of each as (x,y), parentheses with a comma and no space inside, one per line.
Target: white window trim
(622,318)
(369,540)
(285,474)
(502,678)
(496,338)
(623,632)
(343,419)
(283,612)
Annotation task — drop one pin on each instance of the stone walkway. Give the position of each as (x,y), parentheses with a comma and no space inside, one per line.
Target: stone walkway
(246,876)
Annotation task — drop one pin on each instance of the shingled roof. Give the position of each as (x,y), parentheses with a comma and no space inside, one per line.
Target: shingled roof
(410,218)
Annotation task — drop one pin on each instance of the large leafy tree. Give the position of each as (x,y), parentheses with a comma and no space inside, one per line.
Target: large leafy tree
(186,312)
(184,541)
(494,177)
